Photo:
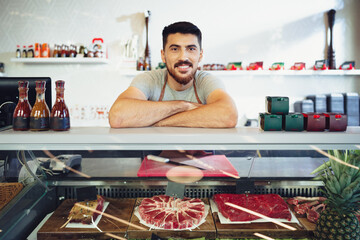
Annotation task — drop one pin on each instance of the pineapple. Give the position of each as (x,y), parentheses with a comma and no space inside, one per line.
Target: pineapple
(342,189)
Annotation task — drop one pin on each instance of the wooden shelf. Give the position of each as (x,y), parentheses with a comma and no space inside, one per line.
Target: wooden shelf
(61,60)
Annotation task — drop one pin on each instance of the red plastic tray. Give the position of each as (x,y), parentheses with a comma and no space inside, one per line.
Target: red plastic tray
(220,167)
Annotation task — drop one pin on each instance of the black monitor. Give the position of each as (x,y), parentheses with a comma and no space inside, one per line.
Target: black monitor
(9,95)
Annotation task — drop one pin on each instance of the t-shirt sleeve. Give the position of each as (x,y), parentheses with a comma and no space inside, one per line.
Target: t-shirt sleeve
(208,83)
(144,82)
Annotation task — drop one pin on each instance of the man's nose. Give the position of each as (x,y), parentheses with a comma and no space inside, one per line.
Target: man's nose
(183,55)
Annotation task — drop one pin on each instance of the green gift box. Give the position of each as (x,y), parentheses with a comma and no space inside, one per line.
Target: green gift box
(293,122)
(270,122)
(277,105)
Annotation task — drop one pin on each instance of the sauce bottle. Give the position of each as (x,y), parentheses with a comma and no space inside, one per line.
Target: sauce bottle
(30,52)
(60,117)
(37,50)
(55,52)
(24,52)
(18,51)
(39,117)
(21,116)
(45,50)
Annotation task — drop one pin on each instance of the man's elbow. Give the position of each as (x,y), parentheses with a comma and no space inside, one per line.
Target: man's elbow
(114,120)
(231,120)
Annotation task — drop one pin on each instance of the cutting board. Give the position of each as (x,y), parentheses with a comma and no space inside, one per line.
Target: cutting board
(120,208)
(303,230)
(206,229)
(219,166)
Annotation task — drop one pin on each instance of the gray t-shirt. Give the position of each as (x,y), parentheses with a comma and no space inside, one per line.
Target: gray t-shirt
(151,83)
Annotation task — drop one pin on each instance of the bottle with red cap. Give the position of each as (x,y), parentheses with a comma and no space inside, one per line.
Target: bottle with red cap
(21,116)
(18,51)
(24,52)
(60,117)
(40,114)
(30,51)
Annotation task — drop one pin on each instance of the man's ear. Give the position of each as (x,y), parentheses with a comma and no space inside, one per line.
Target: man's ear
(163,56)
(201,55)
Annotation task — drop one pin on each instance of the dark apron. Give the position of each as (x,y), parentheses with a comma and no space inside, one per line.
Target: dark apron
(163,91)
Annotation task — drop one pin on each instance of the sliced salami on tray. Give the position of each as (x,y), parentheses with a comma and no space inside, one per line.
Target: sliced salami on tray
(169,213)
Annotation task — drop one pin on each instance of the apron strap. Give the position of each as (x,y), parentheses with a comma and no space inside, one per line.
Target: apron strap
(163,91)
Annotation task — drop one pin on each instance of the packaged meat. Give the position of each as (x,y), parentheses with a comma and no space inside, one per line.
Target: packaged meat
(270,205)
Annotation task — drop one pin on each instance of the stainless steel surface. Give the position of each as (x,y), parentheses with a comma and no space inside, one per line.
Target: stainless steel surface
(277,167)
(274,167)
(109,167)
(153,138)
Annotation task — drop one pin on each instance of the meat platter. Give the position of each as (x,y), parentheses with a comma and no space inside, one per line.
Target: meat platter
(263,204)
(120,208)
(206,229)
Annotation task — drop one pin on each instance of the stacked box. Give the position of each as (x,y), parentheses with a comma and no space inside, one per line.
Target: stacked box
(319,102)
(304,106)
(314,122)
(351,107)
(277,116)
(335,103)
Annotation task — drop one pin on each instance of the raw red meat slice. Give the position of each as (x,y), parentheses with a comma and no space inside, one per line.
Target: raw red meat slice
(169,213)
(313,213)
(304,207)
(270,205)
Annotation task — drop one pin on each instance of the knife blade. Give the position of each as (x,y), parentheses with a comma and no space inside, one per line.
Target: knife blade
(169,160)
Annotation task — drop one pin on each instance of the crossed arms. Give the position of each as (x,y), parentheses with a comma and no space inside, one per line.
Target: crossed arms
(132,109)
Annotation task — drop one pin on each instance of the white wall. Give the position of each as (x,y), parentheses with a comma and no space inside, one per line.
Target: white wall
(233,30)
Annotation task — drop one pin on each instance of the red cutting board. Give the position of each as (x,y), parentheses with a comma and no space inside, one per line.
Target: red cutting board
(219,166)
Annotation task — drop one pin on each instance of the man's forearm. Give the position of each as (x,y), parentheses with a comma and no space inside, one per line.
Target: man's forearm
(142,113)
(216,115)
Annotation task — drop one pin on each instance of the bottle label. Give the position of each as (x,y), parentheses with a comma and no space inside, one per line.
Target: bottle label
(39,123)
(57,123)
(21,123)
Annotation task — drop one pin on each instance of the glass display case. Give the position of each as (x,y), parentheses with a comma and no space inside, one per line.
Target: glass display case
(53,167)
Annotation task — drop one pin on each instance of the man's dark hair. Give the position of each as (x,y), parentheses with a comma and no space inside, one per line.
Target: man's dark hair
(181,27)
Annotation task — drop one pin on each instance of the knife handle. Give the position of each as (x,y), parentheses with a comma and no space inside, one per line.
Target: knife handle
(157,158)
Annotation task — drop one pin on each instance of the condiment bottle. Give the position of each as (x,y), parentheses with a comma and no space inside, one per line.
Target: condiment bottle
(24,52)
(45,50)
(60,117)
(30,52)
(18,51)
(56,51)
(21,116)
(63,50)
(39,117)
(37,50)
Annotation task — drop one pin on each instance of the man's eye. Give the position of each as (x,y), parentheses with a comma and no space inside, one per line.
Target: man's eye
(174,49)
(192,49)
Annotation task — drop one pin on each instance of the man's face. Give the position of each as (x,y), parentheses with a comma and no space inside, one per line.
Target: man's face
(182,55)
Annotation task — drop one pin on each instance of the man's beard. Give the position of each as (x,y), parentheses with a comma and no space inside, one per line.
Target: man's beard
(179,79)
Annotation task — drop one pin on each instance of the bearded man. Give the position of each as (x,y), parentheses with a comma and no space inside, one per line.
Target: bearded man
(178,96)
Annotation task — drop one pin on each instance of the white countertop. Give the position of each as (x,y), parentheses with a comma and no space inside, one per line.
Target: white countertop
(174,138)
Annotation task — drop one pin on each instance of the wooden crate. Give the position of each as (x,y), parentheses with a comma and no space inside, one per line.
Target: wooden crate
(120,208)
(206,229)
(8,191)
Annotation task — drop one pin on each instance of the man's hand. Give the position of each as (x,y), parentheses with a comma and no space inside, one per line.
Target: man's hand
(132,109)
(219,112)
